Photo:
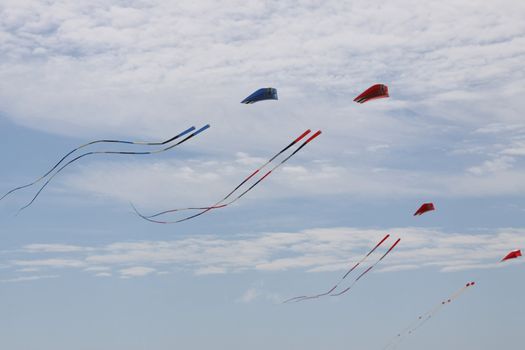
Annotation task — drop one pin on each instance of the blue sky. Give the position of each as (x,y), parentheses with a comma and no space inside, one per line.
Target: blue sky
(79,270)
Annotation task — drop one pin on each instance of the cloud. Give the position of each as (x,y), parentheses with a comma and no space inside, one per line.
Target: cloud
(27,278)
(258,292)
(125,68)
(249,295)
(148,72)
(97,268)
(53,263)
(211,270)
(136,271)
(178,184)
(52,248)
(103,274)
(496,165)
(29,269)
(314,250)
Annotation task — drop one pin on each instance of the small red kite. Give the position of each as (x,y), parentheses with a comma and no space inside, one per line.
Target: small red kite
(372,93)
(512,255)
(424,208)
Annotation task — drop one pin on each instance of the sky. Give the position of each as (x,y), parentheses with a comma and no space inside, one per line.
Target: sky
(78,269)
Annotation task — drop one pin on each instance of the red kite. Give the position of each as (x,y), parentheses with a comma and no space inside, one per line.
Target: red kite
(512,255)
(372,93)
(424,208)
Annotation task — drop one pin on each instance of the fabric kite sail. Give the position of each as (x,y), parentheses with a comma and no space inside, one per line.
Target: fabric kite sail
(374,92)
(424,208)
(261,95)
(512,255)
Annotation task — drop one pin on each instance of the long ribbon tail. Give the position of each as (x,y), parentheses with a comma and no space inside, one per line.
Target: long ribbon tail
(294,298)
(217,205)
(368,269)
(242,194)
(92,143)
(299,138)
(366,256)
(317,295)
(112,152)
(317,133)
(305,297)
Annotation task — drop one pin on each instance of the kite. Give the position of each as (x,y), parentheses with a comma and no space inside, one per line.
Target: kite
(373,93)
(222,203)
(422,319)
(261,95)
(424,208)
(185,132)
(305,297)
(512,255)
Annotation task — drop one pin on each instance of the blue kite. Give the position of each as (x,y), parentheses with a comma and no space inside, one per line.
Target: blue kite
(261,95)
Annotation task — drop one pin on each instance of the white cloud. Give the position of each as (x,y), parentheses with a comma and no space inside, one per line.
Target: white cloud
(178,184)
(54,263)
(136,271)
(27,278)
(136,71)
(515,149)
(97,268)
(51,248)
(249,295)
(211,270)
(496,165)
(127,68)
(258,292)
(312,250)
(103,274)
(28,269)
(497,128)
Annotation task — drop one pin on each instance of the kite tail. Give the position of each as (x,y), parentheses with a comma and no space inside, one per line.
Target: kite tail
(217,205)
(114,152)
(92,143)
(424,318)
(220,203)
(317,133)
(305,297)
(368,269)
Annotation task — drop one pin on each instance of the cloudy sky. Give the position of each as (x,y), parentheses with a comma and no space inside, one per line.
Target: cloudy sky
(78,269)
